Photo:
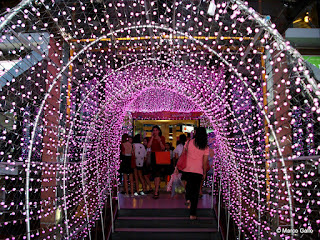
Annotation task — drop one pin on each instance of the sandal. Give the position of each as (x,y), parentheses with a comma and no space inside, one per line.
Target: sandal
(156,195)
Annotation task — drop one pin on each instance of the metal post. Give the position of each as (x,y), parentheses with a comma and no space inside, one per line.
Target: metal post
(84,193)
(111,210)
(212,187)
(219,203)
(118,197)
(102,224)
(66,221)
(100,191)
(110,193)
(228,223)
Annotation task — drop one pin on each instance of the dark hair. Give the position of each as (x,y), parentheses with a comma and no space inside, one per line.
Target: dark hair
(125,138)
(157,127)
(136,139)
(182,139)
(201,138)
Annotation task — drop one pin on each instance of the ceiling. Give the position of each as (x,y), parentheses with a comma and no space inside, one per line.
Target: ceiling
(282,12)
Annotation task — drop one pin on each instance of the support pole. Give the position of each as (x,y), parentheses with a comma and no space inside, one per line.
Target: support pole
(102,225)
(110,193)
(228,223)
(219,204)
(212,185)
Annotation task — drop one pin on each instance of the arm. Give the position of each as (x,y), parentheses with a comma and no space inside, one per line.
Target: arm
(133,151)
(205,162)
(211,152)
(121,148)
(150,142)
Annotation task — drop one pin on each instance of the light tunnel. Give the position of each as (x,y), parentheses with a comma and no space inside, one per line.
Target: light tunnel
(77,72)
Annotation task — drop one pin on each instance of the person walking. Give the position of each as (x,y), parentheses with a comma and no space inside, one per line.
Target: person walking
(177,152)
(125,165)
(196,168)
(146,171)
(157,144)
(139,151)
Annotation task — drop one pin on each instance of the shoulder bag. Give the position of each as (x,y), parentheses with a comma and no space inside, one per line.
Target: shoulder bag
(182,162)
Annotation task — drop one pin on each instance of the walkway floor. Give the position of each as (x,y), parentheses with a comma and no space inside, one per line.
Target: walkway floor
(164,201)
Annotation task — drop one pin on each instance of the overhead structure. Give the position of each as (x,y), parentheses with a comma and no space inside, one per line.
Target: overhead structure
(80,66)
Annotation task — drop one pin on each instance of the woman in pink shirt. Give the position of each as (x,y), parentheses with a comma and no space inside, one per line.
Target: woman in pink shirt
(195,170)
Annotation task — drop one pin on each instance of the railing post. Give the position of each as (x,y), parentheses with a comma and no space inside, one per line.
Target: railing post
(212,187)
(219,204)
(228,223)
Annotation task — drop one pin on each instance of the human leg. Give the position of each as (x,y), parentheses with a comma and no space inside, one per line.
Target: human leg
(125,183)
(142,180)
(131,183)
(156,186)
(193,184)
(146,178)
(136,179)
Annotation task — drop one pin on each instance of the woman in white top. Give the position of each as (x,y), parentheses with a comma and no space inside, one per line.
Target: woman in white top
(177,152)
(140,154)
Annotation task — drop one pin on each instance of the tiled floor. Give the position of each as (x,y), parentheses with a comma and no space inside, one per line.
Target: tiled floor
(164,201)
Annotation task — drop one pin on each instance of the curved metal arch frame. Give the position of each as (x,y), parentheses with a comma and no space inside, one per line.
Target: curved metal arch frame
(259,19)
(14,12)
(281,41)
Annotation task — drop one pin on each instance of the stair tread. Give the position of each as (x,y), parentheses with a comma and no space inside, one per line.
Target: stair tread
(161,218)
(212,230)
(166,223)
(179,212)
(166,235)
(158,224)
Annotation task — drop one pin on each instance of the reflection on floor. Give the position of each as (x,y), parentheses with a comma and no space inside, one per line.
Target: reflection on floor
(164,201)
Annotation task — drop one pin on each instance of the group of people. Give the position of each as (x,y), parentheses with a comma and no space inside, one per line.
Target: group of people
(138,161)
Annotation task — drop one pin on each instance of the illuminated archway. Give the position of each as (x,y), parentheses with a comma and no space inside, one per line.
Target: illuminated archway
(83,65)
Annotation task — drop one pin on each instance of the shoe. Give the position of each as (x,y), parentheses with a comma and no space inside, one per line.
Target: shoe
(126,195)
(149,191)
(156,195)
(142,193)
(193,217)
(188,204)
(136,194)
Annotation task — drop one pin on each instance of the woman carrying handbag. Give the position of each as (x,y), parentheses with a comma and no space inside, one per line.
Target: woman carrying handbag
(157,144)
(194,170)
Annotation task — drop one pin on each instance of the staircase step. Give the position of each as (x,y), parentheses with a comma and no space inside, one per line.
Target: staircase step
(161,218)
(172,212)
(166,235)
(166,223)
(176,230)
